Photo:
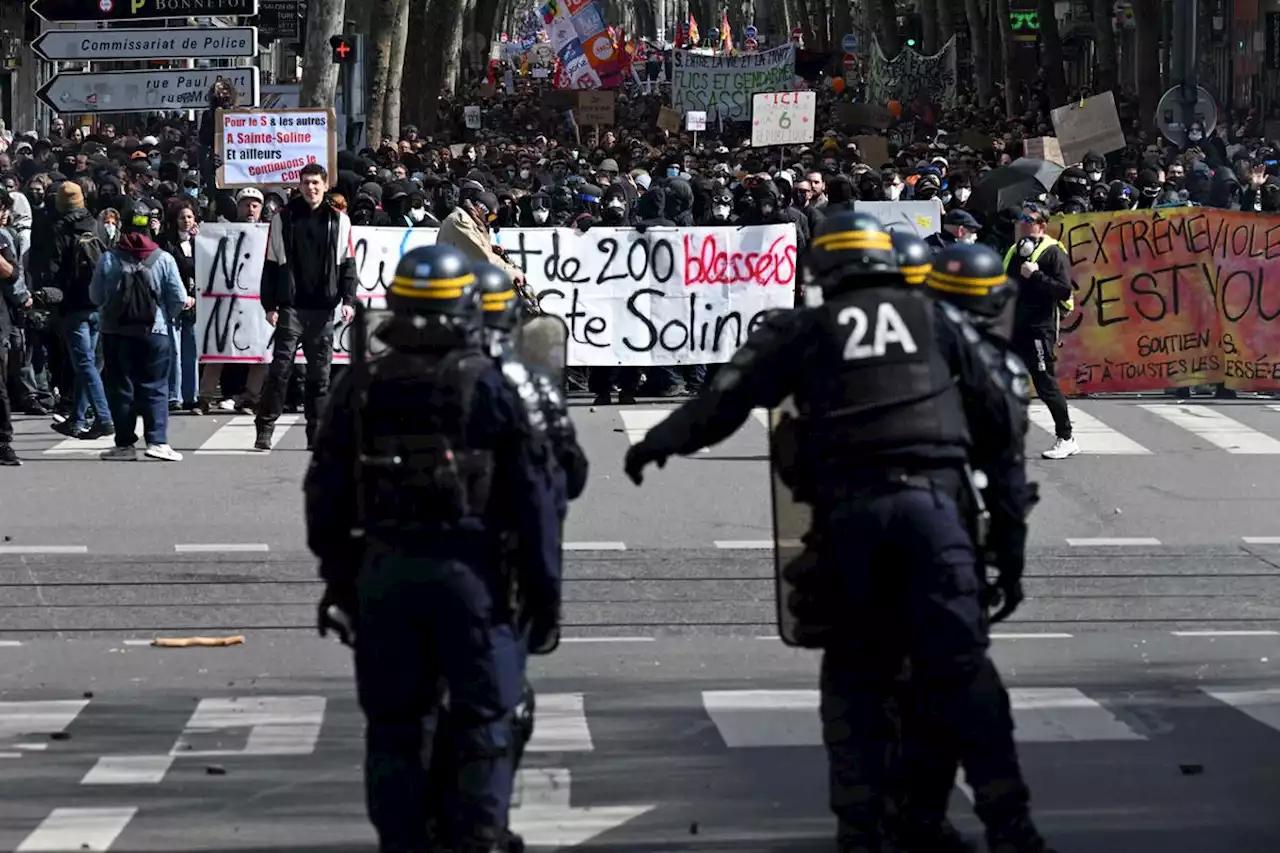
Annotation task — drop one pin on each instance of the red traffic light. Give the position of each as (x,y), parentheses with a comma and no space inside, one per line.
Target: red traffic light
(344,49)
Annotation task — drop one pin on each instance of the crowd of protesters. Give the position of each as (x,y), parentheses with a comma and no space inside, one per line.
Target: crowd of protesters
(72,195)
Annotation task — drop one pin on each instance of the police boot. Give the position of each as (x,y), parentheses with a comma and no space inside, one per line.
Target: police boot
(1017,836)
(511,843)
(939,838)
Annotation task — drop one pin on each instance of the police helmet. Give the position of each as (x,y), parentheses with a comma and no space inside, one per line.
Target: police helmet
(435,280)
(971,277)
(498,298)
(851,248)
(135,218)
(913,254)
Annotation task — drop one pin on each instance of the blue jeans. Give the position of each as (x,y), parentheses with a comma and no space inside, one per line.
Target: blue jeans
(80,331)
(136,375)
(184,374)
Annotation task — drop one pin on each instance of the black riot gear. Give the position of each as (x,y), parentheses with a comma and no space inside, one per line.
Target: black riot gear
(852,249)
(914,256)
(499,301)
(972,278)
(435,281)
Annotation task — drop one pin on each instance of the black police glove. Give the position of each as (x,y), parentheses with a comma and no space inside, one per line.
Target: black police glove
(542,629)
(639,457)
(1003,595)
(336,612)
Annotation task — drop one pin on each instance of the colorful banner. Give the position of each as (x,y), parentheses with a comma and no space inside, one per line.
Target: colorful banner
(668,296)
(911,77)
(580,38)
(724,85)
(1171,298)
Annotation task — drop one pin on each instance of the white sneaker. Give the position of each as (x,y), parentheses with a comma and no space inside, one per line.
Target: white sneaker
(120,454)
(163,452)
(1062,448)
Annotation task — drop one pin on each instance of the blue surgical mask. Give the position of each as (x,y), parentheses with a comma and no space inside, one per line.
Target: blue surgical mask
(192,192)
(673,172)
(112,230)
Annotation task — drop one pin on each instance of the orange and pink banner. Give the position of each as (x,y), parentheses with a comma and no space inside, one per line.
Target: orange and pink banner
(1171,297)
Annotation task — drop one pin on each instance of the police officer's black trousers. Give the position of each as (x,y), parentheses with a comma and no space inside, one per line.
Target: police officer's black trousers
(905,562)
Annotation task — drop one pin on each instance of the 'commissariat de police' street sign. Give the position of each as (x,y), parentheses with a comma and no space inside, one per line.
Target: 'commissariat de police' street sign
(183,43)
(140,10)
(145,91)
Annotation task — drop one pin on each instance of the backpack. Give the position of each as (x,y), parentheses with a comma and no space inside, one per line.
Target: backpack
(85,254)
(134,304)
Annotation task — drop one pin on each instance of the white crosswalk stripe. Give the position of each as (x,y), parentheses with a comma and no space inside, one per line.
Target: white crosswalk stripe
(92,447)
(236,437)
(1093,436)
(1216,428)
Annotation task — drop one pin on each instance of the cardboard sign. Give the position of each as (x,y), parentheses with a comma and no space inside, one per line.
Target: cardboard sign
(1090,125)
(471,114)
(267,147)
(783,118)
(874,150)
(1043,148)
(595,107)
(669,119)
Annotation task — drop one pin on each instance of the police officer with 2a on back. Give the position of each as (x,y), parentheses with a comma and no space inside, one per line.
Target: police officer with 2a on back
(891,396)
(422,462)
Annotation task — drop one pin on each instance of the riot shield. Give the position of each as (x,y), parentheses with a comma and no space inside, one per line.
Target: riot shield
(791,521)
(542,344)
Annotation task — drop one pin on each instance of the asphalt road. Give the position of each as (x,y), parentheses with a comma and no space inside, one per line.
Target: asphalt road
(1142,665)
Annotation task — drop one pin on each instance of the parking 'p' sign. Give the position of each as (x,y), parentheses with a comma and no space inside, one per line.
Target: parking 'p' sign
(783,118)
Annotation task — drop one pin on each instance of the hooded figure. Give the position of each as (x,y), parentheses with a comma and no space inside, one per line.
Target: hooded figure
(535,210)
(1226,192)
(679,202)
(614,209)
(564,206)
(720,211)
(651,209)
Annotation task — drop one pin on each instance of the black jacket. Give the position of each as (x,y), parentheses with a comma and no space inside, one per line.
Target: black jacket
(282,289)
(1039,295)
(51,259)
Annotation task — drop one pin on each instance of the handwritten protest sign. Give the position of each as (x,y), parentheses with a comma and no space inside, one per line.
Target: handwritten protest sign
(921,218)
(1174,297)
(665,297)
(783,118)
(1090,125)
(724,85)
(268,147)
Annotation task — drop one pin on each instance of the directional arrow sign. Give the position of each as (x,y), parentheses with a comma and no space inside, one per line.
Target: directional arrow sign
(112,45)
(545,819)
(140,10)
(145,91)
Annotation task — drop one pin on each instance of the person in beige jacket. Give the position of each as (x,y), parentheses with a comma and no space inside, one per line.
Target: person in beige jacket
(467,229)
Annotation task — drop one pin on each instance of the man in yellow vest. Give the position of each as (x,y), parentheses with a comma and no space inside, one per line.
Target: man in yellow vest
(1040,266)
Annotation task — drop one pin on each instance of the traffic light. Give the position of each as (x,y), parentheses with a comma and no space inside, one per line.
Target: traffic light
(344,49)
(911,28)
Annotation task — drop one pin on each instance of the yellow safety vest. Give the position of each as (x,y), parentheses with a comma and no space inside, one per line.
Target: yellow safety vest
(1067,305)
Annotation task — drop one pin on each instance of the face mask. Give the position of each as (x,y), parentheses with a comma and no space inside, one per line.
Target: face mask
(969,238)
(1095,176)
(1195,136)
(112,230)
(192,192)
(417,214)
(182,164)
(154,159)
(541,215)
(524,174)
(893,192)
(720,211)
(962,194)
(673,172)
(616,206)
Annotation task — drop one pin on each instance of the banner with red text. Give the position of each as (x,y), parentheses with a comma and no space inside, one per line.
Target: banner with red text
(1171,297)
(665,297)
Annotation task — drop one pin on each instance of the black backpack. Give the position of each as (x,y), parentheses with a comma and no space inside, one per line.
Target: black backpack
(85,254)
(134,304)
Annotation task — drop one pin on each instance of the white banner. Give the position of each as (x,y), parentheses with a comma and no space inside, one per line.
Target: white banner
(267,147)
(911,77)
(921,218)
(724,85)
(665,297)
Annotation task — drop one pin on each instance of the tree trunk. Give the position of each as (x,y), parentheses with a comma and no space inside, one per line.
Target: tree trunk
(1147,47)
(395,70)
(446,18)
(946,22)
(929,27)
(319,73)
(841,21)
(417,74)
(980,49)
(486,19)
(451,32)
(887,19)
(1051,54)
(1104,41)
(1009,51)
(381,39)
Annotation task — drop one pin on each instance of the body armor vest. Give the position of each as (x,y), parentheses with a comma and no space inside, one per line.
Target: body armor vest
(419,473)
(880,386)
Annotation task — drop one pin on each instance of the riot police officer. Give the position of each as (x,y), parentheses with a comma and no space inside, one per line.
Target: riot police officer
(422,460)
(913,255)
(891,396)
(542,392)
